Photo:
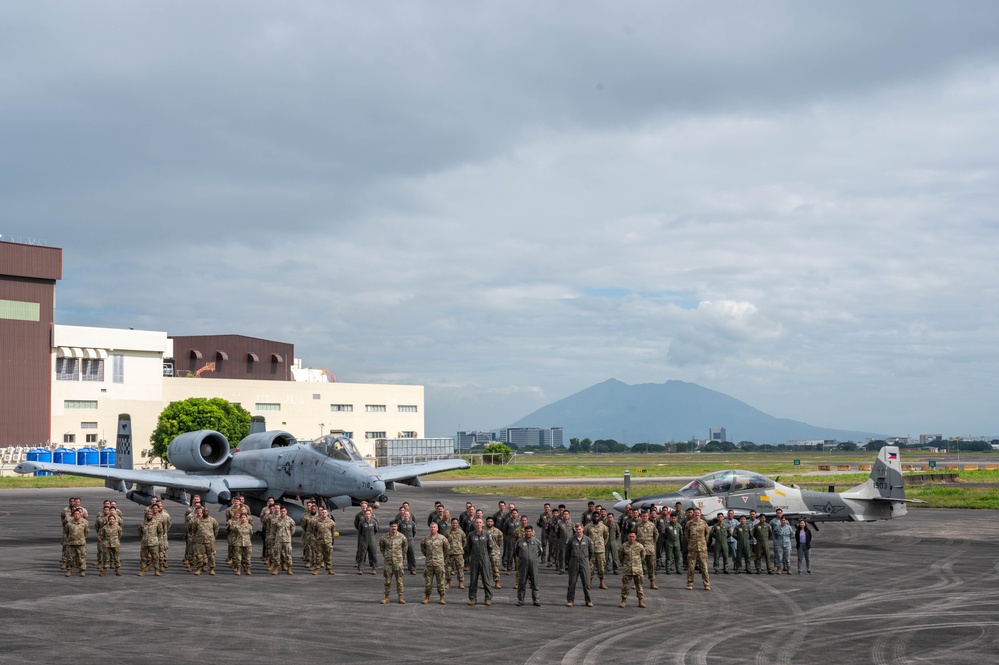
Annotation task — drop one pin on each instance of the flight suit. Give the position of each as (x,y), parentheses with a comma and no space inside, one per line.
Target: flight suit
(672,537)
(408,529)
(719,542)
(763,533)
(366,530)
(479,546)
(529,553)
(743,548)
(578,552)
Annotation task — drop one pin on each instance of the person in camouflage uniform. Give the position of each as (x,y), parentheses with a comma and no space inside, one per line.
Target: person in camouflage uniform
(497,551)
(206,530)
(672,538)
(149,543)
(719,541)
(109,537)
(240,532)
(529,553)
(393,546)
(598,532)
(75,534)
(743,549)
(407,527)
(632,555)
(65,515)
(270,535)
(456,553)
(188,538)
(308,537)
(435,548)
(323,527)
(265,516)
(696,531)
(99,524)
(163,517)
(613,538)
(763,533)
(647,535)
(284,528)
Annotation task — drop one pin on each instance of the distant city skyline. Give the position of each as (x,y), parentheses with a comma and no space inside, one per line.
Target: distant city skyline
(790,203)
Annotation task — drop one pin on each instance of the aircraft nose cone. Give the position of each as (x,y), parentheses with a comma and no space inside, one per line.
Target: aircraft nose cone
(379,487)
(621,505)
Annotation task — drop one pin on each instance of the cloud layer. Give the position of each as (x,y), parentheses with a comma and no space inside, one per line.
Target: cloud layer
(790,203)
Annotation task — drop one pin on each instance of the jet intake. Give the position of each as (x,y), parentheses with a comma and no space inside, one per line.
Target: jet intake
(204,450)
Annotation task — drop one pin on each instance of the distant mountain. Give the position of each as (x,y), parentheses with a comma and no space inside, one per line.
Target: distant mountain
(671,411)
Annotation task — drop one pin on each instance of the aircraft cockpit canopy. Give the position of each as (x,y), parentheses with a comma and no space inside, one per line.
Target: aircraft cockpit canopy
(721,482)
(338,447)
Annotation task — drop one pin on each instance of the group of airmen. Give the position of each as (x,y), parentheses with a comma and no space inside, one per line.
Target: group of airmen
(637,546)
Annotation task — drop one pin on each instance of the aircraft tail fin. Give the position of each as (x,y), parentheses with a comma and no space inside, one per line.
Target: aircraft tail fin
(257,425)
(885,482)
(123,443)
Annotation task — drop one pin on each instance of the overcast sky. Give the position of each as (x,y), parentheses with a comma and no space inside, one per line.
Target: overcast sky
(792,203)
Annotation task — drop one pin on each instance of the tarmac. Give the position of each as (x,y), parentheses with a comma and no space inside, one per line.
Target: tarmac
(920,589)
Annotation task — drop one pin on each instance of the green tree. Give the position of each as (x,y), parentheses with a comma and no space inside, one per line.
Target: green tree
(747,446)
(847,446)
(580,445)
(196,413)
(875,446)
(497,453)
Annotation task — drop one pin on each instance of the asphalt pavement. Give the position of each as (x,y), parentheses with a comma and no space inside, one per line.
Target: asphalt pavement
(924,588)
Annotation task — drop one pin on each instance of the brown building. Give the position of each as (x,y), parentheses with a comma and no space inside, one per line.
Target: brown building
(234,357)
(28,275)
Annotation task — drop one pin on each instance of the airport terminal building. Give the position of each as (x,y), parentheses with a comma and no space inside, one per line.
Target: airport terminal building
(66,385)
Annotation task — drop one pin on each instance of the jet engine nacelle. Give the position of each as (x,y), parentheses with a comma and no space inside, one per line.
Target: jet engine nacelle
(204,450)
(265,440)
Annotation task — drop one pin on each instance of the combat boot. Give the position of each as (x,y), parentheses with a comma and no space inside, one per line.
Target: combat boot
(442,601)
(237,572)
(211,571)
(461,584)
(426,599)
(653,586)
(402,601)
(623,603)
(384,601)
(329,571)
(641,602)
(288,570)
(603,585)
(142,572)
(197,570)
(497,585)
(248,571)
(315,571)
(83,573)
(104,572)
(274,569)
(157,573)
(68,573)
(117,571)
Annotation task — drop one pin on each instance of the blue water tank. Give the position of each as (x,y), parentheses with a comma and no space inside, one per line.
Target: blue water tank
(87,456)
(108,457)
(40,455)
(64,456)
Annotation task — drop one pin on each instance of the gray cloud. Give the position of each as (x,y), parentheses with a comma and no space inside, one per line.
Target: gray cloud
(788,202)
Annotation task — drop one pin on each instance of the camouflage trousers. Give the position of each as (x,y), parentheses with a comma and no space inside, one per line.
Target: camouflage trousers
(697,555)
(649,564)
(598,566)
(396,571)
(282,554)
(242,557)
(309,553)
(76,557)
(742,554)
(149,557)
(456,566)
(626,582)
(322,555)
(100,553)
(188,549)
(110,557)
(230,551)
(430,572)
(494,565)
(204,556)
(673,557)
(273,551)
(164,547)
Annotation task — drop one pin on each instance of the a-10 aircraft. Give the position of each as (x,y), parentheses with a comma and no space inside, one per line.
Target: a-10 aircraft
(880,497)
(265,464)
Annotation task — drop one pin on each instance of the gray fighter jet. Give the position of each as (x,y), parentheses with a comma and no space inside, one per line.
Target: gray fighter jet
(880,497)
(264,465)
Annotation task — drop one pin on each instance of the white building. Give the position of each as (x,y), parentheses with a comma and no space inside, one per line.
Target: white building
(99,373)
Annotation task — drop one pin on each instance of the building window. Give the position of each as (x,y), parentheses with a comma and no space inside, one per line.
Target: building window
(118,368)
(374,408)
(268,406)
(67,369)
(88,425)
(93,369)
(374,435)
(349,435)
(316,396)
(69,438)
(167,369)
(407,435)
(91,438)
(80,404)
(407,408)
(342,407)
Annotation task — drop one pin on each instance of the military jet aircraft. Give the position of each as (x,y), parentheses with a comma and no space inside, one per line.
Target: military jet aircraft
(880,497)
(265,464)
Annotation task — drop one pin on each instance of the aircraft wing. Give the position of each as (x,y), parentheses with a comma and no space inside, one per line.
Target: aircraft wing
(165,478)
(409,474)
